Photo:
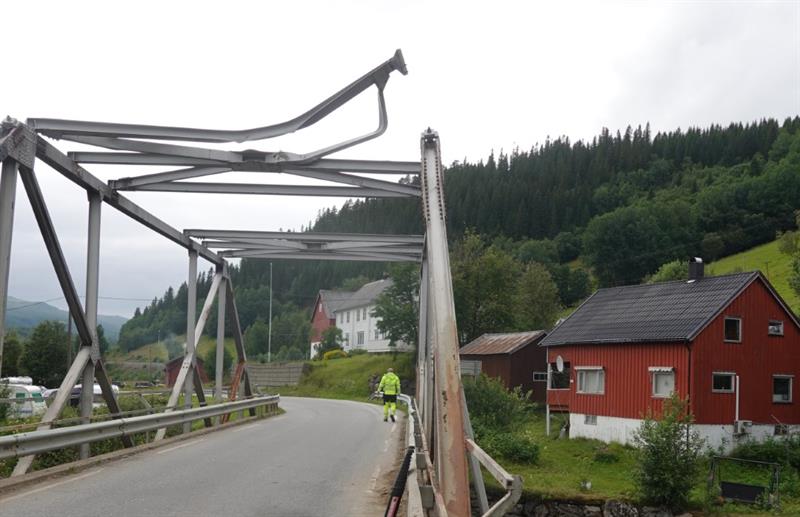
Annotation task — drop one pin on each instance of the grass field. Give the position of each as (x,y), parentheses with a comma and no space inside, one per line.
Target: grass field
(348,378)
(775,265)
(565,463)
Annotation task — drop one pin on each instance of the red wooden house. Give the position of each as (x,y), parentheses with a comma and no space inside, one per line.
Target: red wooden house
(514,358)
(173,368)
(323,316)
(728,344)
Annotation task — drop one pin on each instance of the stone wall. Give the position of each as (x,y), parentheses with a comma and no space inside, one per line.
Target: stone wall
(578,509)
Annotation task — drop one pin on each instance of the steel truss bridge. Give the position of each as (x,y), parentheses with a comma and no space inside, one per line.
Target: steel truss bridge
(439,430)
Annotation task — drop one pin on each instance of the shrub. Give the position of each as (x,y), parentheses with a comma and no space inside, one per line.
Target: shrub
(668,456)
(516,447)
(785,451)
(334,354)
(492,406)
(358,351)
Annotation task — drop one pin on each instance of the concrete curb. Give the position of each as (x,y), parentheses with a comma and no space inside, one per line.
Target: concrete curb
(12,484)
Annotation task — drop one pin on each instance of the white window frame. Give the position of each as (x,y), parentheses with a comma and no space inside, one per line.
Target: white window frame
(656,371)
(346,338)
(775,323)
(377,334)
(581,373)
(733,318)
(358,315)
(732,376)
(364,314)
(791,388)
(540,379)
(590,419)
(348,316)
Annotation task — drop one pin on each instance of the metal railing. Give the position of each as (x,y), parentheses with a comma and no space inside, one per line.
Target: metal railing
(36,442)
(423,499)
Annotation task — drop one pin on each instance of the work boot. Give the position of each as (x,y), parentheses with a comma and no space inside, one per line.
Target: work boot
(392,418)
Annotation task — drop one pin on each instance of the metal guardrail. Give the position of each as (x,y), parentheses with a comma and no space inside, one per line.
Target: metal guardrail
(423,500)
(36,442)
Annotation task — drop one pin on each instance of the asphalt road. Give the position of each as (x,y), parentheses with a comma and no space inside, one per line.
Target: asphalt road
(320,458)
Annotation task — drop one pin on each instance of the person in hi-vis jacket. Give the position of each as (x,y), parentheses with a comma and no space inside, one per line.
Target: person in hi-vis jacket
(390,387)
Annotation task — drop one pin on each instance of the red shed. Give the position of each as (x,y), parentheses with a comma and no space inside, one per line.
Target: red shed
(323,316)
(728,344)
(172,368)
(514,358)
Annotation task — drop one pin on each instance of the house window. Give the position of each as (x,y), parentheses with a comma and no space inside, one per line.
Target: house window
(591,379)
(348,316)
(775,328)
(782,388)
(590,419)
(377,334)
(733,329)
(346,338)
(559,380)
(364,313)
(663,378)
(539,376)
(470,367)
(360,337)
(358,315)
(722,382)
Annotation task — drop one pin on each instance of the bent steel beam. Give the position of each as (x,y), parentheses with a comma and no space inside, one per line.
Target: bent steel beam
(48,153)
(321,237)
(378,77)
(321,165)
(271,190)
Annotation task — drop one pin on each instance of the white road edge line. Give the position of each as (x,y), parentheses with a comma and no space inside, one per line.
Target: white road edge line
(51,485)
(181,446)
(243,427)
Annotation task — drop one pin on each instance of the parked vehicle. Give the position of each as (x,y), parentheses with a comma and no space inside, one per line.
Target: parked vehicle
(28,400)
(97,394)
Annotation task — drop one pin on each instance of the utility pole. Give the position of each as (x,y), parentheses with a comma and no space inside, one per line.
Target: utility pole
(269,334)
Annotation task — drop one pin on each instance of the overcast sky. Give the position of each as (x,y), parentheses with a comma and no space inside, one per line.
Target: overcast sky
(486,75)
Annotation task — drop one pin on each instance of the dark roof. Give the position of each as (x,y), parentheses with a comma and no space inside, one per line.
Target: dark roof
(366,295)
(179,361)
(332,300)
(489,344)
(661,312)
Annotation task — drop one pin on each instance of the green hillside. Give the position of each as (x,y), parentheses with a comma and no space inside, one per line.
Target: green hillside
(775,265)
(24,315)
(348,378)
(158,351)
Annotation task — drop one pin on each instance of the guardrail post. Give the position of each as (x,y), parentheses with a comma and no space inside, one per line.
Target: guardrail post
(8,190)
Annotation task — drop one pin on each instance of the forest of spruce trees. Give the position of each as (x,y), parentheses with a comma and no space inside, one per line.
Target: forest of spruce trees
(623,203)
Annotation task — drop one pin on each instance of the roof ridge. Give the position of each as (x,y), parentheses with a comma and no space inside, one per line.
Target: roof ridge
(670,282)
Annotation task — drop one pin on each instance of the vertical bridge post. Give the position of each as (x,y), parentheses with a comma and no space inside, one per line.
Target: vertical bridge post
(450,456)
